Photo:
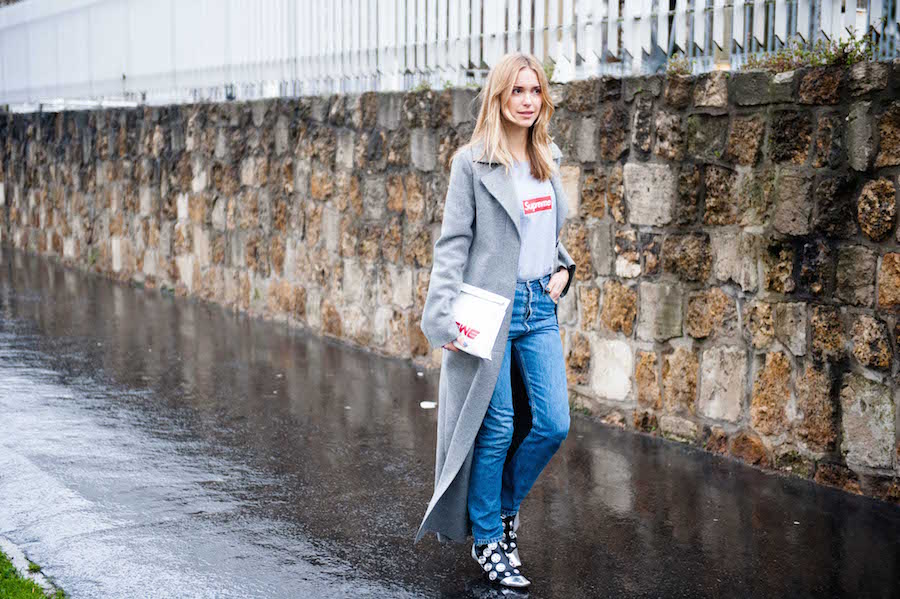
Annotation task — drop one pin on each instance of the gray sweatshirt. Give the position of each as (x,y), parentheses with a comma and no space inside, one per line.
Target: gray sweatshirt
(537,218)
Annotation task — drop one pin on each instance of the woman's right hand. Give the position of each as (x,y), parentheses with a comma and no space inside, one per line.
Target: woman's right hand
(461,340)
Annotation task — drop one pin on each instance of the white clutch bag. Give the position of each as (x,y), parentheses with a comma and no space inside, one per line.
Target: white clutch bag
(479,315)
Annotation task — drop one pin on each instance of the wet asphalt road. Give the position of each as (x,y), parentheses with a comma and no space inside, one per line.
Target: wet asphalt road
(159,447)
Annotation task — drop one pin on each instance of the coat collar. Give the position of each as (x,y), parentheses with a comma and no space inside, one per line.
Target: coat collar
(499,183)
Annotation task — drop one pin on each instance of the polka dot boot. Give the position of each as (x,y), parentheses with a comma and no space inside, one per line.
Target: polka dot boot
(496,567)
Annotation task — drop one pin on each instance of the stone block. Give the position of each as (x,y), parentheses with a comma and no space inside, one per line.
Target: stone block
(678,90)
(736,259)
(578,244)
(679,375)
(570,176)
(871,344)
(867,423)
(616,194)
(778,262)
(688,256)
(611,368)
(389,110)
(856,265)
(749,88)
(578,360)
(566,311)
(628,257)
(374,197)
(868,77)
(835,212)
(593,194)
(771,394)
(860,137)
(748,448)
(652,85)
(185,269)
(202,252)
(789,136)
(619,308)
(651,246)
(401,285)
(712,90)
(353,281)
(889,137)
(669,136)
(816,411)
(646,379)
(660,313)
(828,147)
(710,313)
(649,193)
(721,207)
(722,381)
(816,267)
(182,201)
(582,95)
(678,429)
(589,306)
(889,282)
(612,128)
(759,324)
(790,326)
(706,136)
(876,208)
(601,248)
(465,106)
(827,334)
(793,203)
(745,140)
(586,140)
(345,148)
(821,85)
(642,120)
(423,147)
(331,229)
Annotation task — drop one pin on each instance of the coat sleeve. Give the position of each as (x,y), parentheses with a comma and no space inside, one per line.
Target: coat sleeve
(450,254)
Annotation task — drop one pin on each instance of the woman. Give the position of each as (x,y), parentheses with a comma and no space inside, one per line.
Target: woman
(500,420)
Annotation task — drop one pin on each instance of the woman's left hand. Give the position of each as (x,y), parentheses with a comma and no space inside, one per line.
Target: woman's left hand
(557,284)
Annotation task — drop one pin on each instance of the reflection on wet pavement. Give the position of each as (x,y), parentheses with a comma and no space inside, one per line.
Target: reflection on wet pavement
(160,447)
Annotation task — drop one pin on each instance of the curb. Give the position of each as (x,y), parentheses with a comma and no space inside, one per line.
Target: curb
(20,563)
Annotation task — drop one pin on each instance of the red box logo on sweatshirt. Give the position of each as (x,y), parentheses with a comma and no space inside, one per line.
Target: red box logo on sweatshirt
(537,204)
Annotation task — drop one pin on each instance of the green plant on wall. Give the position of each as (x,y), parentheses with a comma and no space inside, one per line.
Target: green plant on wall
(548,69)
(679,64)
(823,53)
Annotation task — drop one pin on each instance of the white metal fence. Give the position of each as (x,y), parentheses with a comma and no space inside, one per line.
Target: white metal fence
(63,52)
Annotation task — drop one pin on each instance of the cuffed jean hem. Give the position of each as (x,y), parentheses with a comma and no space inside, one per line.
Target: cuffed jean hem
(506,513)
(488,541)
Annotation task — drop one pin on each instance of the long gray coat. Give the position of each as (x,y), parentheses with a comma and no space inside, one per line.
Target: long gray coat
(479,245)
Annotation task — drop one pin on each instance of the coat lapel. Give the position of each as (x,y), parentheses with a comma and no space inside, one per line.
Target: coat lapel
(500,185)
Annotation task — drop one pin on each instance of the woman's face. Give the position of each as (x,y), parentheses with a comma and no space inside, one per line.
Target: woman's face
(524,103)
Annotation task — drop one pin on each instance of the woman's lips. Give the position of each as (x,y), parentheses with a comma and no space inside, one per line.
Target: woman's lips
(526,114)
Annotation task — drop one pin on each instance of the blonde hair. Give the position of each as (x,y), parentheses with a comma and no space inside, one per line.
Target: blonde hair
(489,126)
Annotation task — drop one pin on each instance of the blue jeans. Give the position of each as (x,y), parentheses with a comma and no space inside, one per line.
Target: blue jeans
(498,485)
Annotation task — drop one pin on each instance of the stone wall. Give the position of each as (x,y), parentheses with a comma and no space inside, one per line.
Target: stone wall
(739,279)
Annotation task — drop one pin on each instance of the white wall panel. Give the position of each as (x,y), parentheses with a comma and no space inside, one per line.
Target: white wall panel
(166,50)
